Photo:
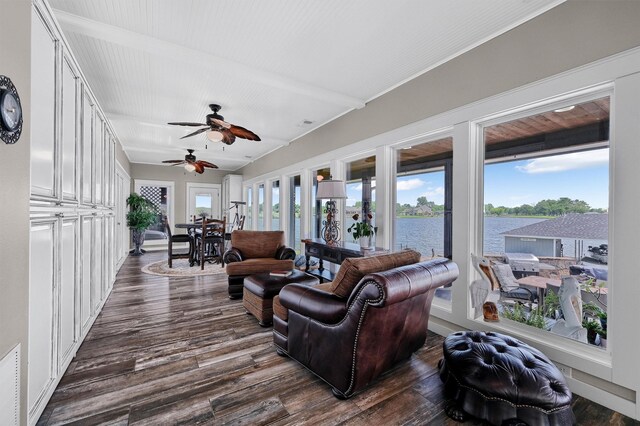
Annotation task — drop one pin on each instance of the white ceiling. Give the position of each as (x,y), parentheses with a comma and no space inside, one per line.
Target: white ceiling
(271,64)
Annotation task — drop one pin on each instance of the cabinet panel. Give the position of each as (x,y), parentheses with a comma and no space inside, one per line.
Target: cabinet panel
(98,158)
(43,106)
(41,301)
(98,274)
(67,305)
(85,272)
(87,145)
(69,127)
(112,172)
(109,251)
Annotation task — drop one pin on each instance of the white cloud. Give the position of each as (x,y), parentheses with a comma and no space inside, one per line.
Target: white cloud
(562,163)
(408,185)
(434,192)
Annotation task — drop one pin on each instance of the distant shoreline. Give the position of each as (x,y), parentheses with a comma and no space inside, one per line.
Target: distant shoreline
(504,215)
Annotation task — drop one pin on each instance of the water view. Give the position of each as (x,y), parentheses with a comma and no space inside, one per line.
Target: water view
(425,234)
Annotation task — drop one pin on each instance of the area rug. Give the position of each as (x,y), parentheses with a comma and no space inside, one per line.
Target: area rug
(181,268)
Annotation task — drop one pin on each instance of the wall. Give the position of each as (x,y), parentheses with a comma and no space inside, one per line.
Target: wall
(572,34)
(179,176)
(121,157)
(15,63)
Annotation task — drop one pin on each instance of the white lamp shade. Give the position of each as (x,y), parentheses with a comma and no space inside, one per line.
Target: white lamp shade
(189,167)
(214,135)
(331,189)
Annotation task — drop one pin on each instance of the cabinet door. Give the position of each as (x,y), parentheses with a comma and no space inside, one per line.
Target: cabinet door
(112,172)
(98,277)
(86,249)
(87,146)
(98,147)
(43,106)
(42,273)
(67,337)
(109,252)
(69,132)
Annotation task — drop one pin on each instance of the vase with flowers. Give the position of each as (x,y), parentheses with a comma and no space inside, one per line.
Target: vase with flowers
(363,231)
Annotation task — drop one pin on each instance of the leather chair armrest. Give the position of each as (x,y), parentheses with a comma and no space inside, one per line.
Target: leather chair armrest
(285,253)
(314,303)
(408,281)
(232,255)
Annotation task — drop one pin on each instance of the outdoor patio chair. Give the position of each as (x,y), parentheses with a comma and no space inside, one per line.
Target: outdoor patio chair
(509,287)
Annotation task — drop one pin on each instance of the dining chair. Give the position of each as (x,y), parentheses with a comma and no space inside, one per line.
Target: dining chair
(210,241)
(180,239)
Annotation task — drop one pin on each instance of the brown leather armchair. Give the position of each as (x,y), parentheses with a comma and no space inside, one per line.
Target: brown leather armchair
(350,339)
(255,252)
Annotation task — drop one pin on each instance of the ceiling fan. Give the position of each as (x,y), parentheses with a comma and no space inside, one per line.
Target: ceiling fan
(191,164)
(219,130)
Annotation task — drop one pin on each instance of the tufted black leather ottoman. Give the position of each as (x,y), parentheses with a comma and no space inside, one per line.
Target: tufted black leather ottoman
(502,380)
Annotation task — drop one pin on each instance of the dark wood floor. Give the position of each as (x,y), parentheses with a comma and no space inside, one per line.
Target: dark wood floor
(178,351)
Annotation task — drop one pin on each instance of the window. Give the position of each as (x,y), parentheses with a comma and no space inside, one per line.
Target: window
(248,224)
(316,205)
(361,195)
(275,205)
(260,226)
(546,197)
(423,198)
(294,213)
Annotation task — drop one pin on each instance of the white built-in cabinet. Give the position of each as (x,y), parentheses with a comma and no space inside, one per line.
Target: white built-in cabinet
(231,191)
(72,235)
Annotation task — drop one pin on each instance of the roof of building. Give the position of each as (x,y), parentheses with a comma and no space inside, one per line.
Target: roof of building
(589,226)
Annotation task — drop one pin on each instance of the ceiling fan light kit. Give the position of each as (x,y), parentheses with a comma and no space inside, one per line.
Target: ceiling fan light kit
(215,136)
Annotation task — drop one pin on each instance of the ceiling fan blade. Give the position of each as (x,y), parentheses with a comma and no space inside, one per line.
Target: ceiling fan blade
(197,132)
(185,123)
(207,164)
(221,123)
(199,169)
(227,137)
(175,162)
(243,133)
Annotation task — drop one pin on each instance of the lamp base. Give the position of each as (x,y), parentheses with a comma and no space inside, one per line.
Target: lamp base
(331,227)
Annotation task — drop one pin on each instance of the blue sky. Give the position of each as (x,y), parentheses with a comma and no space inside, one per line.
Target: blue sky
(582,175)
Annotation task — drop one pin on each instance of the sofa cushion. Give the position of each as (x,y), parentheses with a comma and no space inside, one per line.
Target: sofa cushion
(257,243)
(353,269)
(258,266)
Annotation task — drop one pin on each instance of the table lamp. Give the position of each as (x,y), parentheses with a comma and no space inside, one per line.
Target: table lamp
(332,190)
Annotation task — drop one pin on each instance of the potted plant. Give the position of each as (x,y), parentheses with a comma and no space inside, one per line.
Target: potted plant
(142,214)
(603,337)
(362,231)
(593,329)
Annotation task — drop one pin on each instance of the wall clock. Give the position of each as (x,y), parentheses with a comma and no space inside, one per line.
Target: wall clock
(10,111)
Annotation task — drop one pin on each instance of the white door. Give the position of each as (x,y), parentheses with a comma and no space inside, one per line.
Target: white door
(203,198)
(123,183)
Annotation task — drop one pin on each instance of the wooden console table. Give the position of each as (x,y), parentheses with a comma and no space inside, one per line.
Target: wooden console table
(335,253)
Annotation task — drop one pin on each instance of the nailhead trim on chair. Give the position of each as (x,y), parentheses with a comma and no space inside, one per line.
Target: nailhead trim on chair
(355,343)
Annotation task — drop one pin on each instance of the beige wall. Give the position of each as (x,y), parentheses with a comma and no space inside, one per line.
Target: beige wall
(15,63)
(575,33)
(122,158)
(179,176)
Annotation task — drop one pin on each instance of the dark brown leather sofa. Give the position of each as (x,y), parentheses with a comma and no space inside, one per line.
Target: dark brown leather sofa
(255,252)
(374,314)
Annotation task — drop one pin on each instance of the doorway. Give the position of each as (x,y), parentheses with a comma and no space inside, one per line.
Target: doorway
(203,198)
